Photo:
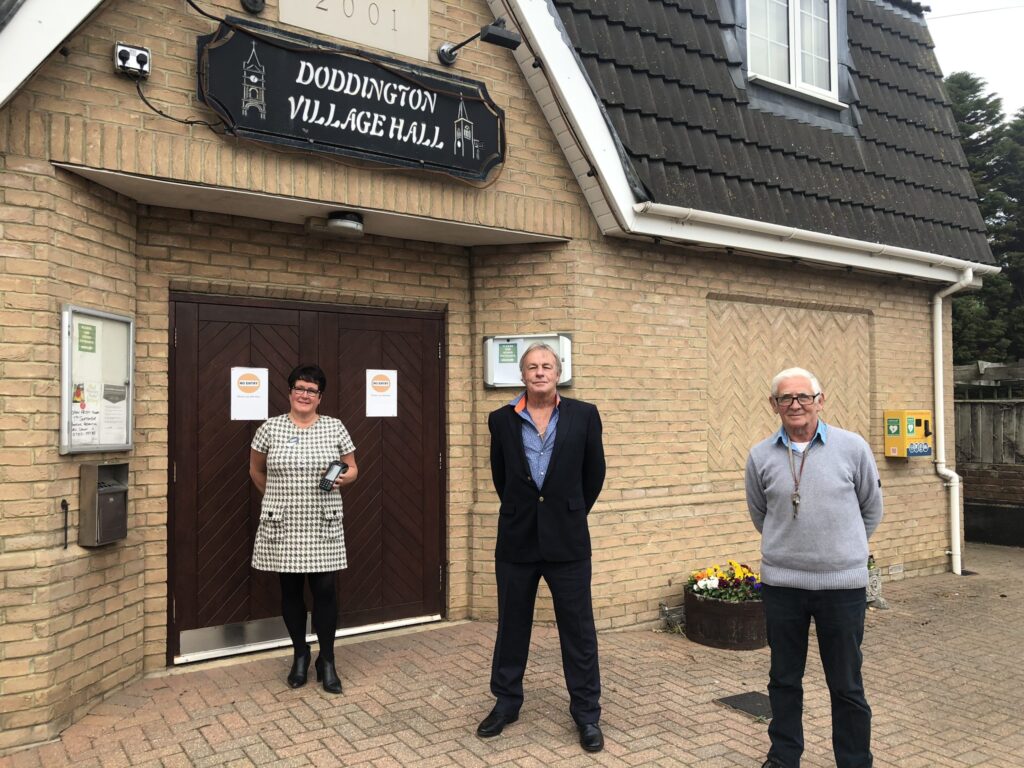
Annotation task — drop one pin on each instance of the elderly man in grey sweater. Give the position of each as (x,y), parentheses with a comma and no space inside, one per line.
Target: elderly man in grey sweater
(814,494)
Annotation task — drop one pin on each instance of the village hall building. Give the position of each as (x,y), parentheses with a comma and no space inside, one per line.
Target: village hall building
(683,196)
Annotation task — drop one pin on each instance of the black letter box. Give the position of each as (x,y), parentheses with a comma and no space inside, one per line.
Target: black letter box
(103,504)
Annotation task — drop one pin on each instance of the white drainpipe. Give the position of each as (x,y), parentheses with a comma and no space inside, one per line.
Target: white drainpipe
(952,478)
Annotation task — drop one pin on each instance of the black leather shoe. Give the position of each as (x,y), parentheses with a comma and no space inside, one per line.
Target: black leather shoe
(494,724)
(772,763)
(300,669)
(591,738)
(325,671)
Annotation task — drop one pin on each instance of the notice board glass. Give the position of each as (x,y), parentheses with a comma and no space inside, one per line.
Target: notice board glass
(96,380)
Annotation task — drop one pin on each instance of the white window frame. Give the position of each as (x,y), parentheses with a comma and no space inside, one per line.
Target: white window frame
(829,96)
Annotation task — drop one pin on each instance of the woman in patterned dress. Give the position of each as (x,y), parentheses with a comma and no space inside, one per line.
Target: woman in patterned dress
(300,534)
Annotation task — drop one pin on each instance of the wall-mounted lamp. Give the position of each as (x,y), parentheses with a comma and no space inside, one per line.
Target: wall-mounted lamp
(495,33)
(347,224)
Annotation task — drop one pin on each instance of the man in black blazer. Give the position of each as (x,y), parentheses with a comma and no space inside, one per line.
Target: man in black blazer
(547,463)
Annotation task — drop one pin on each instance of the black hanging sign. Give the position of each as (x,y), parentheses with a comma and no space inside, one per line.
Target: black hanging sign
(299,92)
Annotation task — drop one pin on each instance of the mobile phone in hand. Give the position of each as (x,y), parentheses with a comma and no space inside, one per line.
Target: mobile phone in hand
(334,470)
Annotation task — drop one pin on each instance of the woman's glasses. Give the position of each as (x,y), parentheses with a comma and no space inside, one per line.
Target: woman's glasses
(304,391)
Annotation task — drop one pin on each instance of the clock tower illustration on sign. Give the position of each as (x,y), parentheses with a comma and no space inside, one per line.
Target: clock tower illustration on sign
(464,141)
(254,92)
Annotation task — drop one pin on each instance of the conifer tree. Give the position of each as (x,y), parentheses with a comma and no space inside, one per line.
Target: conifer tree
(989,324)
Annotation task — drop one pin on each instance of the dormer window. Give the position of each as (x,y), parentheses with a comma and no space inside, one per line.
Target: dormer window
(792,44)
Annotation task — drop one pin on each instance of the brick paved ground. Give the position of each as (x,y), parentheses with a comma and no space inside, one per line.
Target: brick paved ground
(942,669)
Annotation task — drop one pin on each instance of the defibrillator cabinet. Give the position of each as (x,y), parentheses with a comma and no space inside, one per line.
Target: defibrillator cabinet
(908,434)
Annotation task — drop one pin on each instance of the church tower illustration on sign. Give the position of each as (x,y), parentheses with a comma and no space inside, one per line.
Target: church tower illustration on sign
(464,141)
(254,93)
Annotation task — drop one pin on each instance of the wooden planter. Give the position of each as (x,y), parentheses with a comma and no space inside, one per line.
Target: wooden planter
(720,624)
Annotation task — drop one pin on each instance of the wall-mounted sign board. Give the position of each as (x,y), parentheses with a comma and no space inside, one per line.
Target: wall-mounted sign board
(96,381)
(502,354)
(276,87)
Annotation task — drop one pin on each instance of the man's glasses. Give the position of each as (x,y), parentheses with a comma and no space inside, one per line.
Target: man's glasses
(803,398)
(304,391)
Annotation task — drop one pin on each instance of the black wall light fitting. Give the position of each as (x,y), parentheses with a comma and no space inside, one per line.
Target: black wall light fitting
(494,33)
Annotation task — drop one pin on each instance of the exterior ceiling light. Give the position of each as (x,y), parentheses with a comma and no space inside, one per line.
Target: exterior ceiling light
(494,33)
(347,224)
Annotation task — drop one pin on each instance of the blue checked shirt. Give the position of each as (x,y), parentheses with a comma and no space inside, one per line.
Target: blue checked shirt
(538,449)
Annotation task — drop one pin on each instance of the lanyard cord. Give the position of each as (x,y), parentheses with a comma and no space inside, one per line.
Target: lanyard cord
(795,498)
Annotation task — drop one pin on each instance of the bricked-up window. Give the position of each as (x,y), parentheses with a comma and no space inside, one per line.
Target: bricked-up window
(793,43)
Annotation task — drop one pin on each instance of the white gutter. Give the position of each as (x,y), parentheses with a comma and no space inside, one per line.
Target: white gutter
(701,226)
(952,478)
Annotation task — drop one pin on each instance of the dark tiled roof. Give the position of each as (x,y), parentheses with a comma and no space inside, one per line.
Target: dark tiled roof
(673,90)
(7,10)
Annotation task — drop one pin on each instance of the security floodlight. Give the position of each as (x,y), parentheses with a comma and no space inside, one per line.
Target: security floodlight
(495,34)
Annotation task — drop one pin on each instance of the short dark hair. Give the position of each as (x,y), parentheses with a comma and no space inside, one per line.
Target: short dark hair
(314,374)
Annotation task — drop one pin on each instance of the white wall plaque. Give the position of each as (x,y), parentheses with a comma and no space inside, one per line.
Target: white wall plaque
(502,353)
(399,26)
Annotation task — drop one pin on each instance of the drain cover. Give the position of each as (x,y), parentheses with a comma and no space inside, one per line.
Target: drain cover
(754,704)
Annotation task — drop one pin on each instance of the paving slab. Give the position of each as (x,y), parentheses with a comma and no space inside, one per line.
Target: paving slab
(942,671)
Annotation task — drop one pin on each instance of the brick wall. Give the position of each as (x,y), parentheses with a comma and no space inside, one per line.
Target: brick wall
(639,318)
(992,483)
(993,503)
(70,619)
(76,624)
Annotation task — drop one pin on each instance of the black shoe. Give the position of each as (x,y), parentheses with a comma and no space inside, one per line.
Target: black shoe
(591,738)
(300,669)
(325,671)
(772,763)
(494,724)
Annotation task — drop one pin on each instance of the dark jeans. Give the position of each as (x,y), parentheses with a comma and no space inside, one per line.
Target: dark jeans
(325,609)
(839,622)
(569,584)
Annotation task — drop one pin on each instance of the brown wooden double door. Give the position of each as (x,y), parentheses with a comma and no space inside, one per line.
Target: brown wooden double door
(393,521)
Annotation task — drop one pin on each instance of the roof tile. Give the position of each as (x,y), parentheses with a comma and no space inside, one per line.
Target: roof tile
(662,70)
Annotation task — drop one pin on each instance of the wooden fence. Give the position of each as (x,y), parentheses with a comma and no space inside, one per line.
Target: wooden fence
(989,432)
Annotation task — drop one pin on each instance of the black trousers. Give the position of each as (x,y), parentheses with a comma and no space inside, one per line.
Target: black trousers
(569,584)
(839,623)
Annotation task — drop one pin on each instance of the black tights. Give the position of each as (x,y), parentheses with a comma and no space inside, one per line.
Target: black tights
(325,610)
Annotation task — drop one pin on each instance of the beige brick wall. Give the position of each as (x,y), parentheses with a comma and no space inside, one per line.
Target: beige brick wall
(70,619)
(77,110)
(76,624)
(639,318)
